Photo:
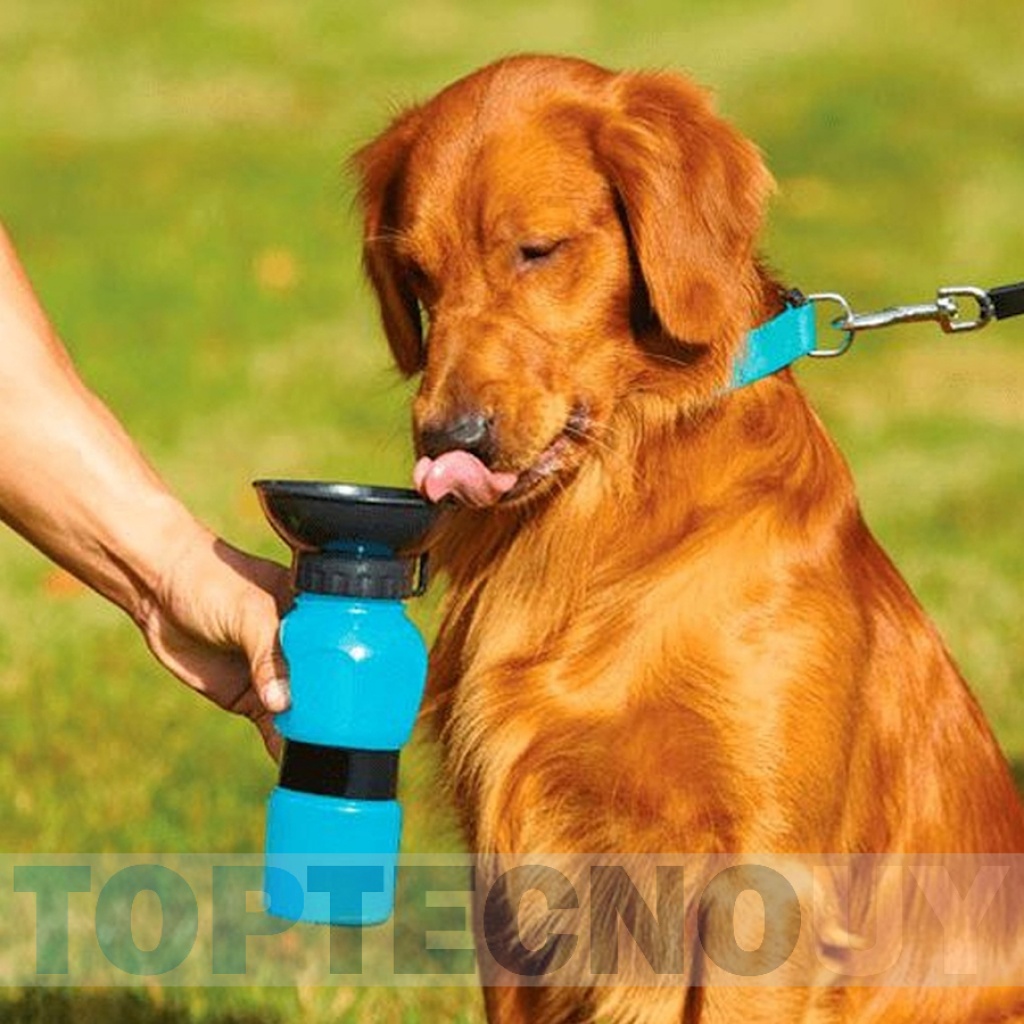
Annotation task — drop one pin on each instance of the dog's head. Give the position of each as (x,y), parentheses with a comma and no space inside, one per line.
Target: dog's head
(550,242)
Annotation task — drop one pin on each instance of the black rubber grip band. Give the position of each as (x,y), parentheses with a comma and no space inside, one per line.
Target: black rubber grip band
(339,771)
(1008,300)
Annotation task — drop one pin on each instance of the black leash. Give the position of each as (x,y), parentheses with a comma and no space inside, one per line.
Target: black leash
(1008,300)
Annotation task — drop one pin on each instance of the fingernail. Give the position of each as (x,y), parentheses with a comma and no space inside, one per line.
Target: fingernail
(276,696)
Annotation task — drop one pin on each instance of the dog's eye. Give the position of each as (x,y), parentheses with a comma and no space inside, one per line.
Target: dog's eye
(419,284)
(537,251)
(417,277)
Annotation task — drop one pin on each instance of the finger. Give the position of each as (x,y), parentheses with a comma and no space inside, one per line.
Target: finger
(270,576)
(275,579)
(249,705)
(278,582)
(272,739)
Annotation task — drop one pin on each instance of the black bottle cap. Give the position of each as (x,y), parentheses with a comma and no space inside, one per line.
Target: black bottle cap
(350,575)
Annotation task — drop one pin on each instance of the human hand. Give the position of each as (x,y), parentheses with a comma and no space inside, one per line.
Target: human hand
(212,619)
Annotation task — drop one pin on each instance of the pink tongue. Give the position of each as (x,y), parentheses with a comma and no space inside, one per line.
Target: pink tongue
(462,475)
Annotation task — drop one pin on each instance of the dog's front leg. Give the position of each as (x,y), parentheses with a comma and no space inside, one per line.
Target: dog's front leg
(517,987)
(758,961)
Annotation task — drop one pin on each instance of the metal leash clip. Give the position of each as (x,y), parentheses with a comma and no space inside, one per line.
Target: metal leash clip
(945,311)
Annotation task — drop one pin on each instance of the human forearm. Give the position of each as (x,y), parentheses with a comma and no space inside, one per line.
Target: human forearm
(71,481)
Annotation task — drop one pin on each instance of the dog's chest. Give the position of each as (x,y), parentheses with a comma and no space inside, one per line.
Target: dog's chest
(585,740)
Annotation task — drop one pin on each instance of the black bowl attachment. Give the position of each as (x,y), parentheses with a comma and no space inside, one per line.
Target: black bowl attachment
(350,539)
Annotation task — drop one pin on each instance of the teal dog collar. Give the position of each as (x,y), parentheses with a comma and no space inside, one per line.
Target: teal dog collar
(775,344)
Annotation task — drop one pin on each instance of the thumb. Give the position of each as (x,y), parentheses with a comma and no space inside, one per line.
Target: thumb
(267,665)
(270,679)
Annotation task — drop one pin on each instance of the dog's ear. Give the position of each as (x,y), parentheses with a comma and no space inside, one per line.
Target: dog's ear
(693,192)
(380,167)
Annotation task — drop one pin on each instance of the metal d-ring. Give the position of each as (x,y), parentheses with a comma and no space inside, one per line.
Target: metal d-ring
(842,323)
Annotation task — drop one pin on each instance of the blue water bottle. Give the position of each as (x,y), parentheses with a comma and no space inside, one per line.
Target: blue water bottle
(357,667)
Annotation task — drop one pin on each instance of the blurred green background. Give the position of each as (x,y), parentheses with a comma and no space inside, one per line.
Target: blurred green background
(171,172)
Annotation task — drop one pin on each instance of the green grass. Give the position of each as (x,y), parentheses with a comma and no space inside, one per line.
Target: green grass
(172,173)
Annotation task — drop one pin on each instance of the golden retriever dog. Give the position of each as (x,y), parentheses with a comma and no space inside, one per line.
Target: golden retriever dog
(667,628)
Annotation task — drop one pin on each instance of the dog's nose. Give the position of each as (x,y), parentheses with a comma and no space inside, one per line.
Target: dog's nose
(471,432)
